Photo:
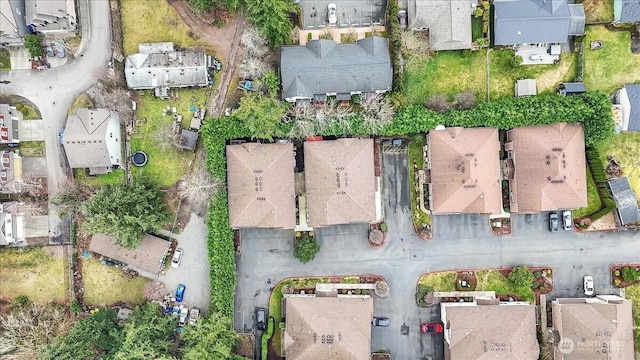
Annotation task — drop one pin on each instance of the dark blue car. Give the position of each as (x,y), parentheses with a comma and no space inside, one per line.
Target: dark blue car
(180,292)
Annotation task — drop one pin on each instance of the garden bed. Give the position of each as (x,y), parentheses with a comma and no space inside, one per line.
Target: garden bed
(622,275)
(421,220)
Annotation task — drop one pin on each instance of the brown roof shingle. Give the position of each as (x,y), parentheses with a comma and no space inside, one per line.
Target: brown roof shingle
(328,328)
(465,170)
(340,181)
(261,187)
(482,332)
(549,166)
(148,256)
(598,328)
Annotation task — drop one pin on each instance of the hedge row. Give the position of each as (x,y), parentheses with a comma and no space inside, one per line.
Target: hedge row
(395,44)
(600,178)
(265,338)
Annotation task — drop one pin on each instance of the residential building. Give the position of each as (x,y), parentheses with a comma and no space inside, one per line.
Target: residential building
(526,87)
(340,181)
(149,256)
(159,66)
(327,328)
(596,328)
(464,169)
(10,118)
(13,27)
(545,167)
(10,173)
(260,183)
(489,330)
(520,22)
(12,223)
(448,22)
(51,16)
(91,139)
(626,11)
(626,201)
(628,101)
(324,68)
(575,88)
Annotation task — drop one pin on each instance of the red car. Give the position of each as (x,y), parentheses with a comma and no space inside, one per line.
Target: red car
(431,328)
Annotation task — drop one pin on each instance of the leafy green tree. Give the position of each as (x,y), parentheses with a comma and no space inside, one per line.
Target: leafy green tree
(271,81)
(125,211)
(148,334)
(260,114)
(211,338)
(33,44)
(96,336)
(521,277)
(272,18)
(306,248)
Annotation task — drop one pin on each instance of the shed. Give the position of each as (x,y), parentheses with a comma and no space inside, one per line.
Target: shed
(526,87)
(149,256)
(188,140)
(626,201)
(574,88)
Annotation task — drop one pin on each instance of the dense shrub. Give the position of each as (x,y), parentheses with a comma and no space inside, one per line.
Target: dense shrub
(395,44)
(600,178)
(265,338)
(306,248)
(521,276)
(629,274)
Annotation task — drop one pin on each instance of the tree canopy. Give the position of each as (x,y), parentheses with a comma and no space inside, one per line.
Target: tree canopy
(306,248)
(260,114)
(521,276)
(211,338)
(272,18)
(125,211)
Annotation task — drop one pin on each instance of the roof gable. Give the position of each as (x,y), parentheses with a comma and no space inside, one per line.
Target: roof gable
(339,181)
(465,170)
(448,21)
(92,139)
(260,184)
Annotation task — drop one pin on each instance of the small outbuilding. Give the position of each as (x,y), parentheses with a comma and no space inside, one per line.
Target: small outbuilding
(149,256)
(526,87)
(574,88)
(626,201)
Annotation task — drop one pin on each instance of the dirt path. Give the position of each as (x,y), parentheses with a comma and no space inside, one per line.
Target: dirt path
(225,41)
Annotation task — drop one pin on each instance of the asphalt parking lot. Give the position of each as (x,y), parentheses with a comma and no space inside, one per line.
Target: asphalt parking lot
(350,13)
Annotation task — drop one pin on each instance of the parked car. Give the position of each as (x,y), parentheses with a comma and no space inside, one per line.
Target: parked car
(431,328)
(381,321)
(567,221)
(183,317)
(553,222)
(261,318)
(108,263)
(588,285)
(177,258)
(331,11)
(49,51)
(180,292)
(402,18)
(194,314)
(61,135)
(60,52)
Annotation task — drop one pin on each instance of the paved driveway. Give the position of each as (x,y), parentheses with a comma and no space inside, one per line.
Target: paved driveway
(194,268)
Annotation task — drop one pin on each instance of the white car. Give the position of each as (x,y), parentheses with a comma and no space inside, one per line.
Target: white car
(184,312)
(332,10)
(177,258)
(588,285)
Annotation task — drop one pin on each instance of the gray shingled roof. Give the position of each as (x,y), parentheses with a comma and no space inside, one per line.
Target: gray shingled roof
(323,66)
(448,21)
(149,70)
(625,200)
(633,92)
(50,15)
(92,140)
(626,10)
(537,21)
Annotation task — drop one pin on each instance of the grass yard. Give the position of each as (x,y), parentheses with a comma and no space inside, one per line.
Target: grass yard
(493,280)
(548,77)
(612,66)
(165,166)
(5,60)
(598,10)
(30,112)
(107,285)
(116,176)
(593,198)
(36,272)
(154,21)
(633,293)
(625,147)
(441,281)
(416,145)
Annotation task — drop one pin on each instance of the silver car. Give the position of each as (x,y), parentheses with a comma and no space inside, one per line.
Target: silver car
(588,285)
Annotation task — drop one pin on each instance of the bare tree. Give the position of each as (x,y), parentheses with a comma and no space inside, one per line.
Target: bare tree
(113,98)
(255,44)
(438,103)
(377,112)
(342,116)
(465,100)
(165,138)
(324,118)
(198,188)
(32,208)
(302,117)
(416,43)
(33,186)
(253,68)
(72,196)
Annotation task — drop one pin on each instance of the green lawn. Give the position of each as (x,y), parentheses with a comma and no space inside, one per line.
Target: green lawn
(598,10)
(493,280)
(5,61)
(593,199)
(416,152)
(115,177)
(612,66)
(625,147)
(165,166)
(441,281)
(633,293)
(476,28)
(37,273)
(153,21)
(106,285)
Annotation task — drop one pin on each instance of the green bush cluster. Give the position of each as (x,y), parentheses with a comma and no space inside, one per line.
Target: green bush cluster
(521,277)
(265,338)
(306,248)
(221,255)
(630,274)
(600,178)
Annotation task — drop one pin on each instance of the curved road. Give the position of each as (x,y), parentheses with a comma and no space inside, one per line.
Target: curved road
(54,90)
